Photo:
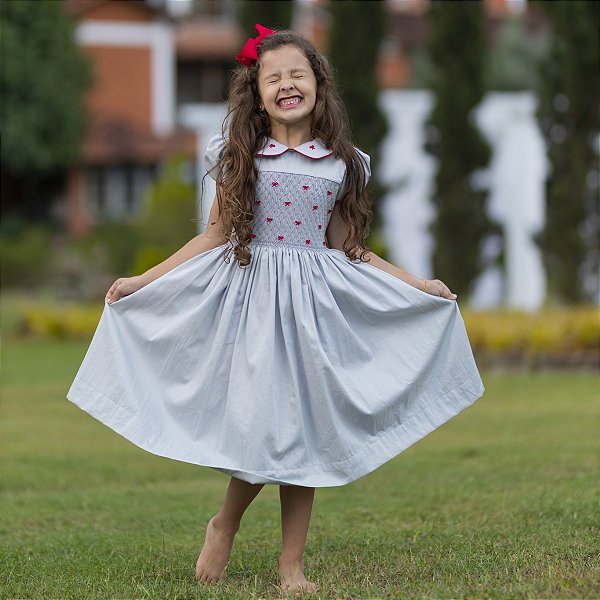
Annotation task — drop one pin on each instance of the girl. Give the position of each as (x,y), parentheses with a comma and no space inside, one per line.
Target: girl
(306,361)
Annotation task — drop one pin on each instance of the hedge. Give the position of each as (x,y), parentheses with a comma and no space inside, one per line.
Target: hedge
(552,337)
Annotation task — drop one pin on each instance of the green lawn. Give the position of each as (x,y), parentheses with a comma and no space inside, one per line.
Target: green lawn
(501,502)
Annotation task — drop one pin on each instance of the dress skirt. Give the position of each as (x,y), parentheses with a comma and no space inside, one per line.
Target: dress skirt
(303,368)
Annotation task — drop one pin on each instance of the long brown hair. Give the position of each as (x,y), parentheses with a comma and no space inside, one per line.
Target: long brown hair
(247,128)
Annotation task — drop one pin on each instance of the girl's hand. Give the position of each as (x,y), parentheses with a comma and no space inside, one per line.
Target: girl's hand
(435,287)
(123,287)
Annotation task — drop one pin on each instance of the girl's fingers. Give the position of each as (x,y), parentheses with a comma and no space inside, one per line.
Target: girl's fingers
(445,291)
(112,291)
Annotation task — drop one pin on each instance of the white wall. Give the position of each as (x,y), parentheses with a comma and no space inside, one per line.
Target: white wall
(515,181)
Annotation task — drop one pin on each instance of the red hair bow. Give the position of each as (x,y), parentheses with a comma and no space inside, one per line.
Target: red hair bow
(248,54)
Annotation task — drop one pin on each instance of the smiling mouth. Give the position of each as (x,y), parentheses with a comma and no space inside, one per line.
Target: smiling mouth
(287,102)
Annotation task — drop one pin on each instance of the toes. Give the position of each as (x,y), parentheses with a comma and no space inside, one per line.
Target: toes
(203,577)
(300,588)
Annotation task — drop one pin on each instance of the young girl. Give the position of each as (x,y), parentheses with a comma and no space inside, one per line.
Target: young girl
(306,361)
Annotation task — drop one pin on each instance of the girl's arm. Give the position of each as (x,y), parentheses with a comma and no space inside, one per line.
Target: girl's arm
(210,238)
(337,230)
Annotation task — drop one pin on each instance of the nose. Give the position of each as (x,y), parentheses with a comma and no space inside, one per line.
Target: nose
(287,84)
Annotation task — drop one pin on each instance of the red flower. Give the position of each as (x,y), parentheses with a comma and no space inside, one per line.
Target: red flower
(287,203)
(271,145)
(308,241)
(329,193)
(319,226)
(269,219)
(305,187)
(312,147)
(257,202)
(315,206)
(274,184)
(253,235)
(279,237)
(297,222)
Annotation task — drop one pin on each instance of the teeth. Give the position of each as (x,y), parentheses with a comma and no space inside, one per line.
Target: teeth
(289,101)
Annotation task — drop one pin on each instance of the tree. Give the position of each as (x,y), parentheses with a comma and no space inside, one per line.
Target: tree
(569,117)
(42,81)
(167,219)
(275,14)
(461,223)
(357,30)
(514,62)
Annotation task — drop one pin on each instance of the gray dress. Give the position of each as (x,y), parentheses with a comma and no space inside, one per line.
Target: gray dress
(303,368)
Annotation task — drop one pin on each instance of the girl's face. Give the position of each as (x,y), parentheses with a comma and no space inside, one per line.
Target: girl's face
(287,87)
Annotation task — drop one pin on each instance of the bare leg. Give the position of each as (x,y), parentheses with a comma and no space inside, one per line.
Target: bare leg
(296,507)
(221,530)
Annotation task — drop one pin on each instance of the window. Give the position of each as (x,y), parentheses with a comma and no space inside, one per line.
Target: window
(116,192)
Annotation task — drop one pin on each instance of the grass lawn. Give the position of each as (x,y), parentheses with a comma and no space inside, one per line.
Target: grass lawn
(501,502)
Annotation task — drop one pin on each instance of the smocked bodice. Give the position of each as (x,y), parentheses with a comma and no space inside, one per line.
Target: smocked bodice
(296,191)
(293,209)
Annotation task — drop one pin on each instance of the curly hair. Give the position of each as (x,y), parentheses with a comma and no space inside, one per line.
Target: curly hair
(247,128)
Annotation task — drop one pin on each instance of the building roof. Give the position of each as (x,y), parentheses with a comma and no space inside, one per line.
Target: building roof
(112,9)
(199,39)
(110,141)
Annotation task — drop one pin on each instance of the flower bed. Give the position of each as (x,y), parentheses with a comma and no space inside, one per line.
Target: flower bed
(550,338)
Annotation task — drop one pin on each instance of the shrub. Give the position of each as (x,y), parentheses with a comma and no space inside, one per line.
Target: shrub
(568,337)
(114,242)
(69,322)
(25,257)
(168,218)
(553,336)
(147,257)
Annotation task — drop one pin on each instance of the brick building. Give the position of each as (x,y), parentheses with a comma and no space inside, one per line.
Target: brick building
(131,127)
(152,57)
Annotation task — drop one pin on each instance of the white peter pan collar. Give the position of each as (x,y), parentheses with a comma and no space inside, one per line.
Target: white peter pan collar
(313,149)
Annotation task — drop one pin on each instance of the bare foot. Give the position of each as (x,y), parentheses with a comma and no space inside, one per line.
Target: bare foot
(212,562)
(292,578)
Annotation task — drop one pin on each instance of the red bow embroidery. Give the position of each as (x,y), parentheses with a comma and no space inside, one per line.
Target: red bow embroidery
(248,54)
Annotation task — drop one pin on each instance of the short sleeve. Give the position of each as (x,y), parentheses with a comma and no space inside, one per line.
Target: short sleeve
(366,160)
(214,149)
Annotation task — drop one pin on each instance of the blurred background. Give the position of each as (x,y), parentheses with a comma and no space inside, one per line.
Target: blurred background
(482,119)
